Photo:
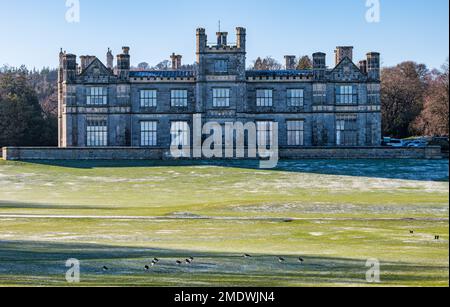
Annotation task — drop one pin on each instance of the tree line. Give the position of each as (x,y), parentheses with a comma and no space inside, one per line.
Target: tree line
(415,101)
(28,107)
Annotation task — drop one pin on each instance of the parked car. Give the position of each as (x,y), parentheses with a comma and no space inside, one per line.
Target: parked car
(395,143)
(418,143)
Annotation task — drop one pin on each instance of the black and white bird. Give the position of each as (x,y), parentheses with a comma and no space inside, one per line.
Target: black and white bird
(179,262)
(188,261)
(191,258)
(156,260)
(105,268)
(301,260)
(281,260)
(247,256)
(147,268)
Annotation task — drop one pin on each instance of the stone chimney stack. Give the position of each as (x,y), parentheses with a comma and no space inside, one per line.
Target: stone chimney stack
(241,38)
(290,62)
(109,59)
(176,61)
(319,65)
(123,64)
(69,67)
(343,52)
(85,61)
(373,65)
(201,40)
(363,66)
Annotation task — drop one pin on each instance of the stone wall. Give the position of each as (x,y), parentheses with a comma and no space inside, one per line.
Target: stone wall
(132,153)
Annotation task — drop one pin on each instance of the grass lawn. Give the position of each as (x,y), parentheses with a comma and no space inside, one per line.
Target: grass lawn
(334,214)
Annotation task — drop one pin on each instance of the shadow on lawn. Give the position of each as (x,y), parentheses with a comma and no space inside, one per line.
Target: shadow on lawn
(23,205)
(43,263)
(407,169)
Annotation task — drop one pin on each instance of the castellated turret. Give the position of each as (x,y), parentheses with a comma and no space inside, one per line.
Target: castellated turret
(373,65)
(123,64)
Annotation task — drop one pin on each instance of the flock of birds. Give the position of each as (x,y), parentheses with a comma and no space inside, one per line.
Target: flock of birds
(190,261)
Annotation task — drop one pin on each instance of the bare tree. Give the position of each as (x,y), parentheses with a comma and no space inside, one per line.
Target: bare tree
(434,118)
(402,95)
(143,66)
(268,63)
(164,65)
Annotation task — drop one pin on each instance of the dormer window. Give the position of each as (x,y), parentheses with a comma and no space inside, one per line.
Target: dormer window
(221,66)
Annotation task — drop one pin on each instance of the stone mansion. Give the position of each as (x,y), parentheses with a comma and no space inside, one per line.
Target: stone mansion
(112,105)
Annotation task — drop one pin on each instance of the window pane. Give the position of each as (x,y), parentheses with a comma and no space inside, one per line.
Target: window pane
(221,97)
(295,133)
(347,94)
(96,133)
(148,133)
(148,98)
(264,98)
(179,98)
(295,98)
(97,96)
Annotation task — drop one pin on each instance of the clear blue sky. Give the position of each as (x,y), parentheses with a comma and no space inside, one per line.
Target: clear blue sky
(33,31)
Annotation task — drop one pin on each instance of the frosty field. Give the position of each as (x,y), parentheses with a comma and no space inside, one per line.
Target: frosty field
(333,214)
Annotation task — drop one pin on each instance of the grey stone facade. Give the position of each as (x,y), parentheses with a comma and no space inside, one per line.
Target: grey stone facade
(103,106)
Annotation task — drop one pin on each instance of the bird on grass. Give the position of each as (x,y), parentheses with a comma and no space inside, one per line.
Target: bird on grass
(411,231)
(188,261)
(247,256)
(281,260)
(105,268)
(156,260)
(191,258)
(301,260)
(147,268)
(154,263)
(437,237)
(178,262)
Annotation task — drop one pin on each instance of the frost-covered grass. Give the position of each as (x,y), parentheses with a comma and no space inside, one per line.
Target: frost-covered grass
(335,214)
